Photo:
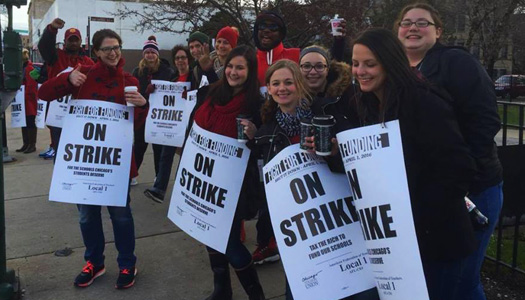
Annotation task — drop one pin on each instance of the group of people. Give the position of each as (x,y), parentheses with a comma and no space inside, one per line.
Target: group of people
(442,96)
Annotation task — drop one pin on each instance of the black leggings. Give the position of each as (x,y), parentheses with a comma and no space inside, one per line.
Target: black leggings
(30,121)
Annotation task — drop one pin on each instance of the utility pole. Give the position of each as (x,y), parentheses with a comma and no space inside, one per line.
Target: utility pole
(10,81)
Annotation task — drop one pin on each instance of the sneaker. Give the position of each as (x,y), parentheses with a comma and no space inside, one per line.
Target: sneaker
(50,154)
(88,274)
(44,153)
(133,181)
(267,254)
(126,278)
(157,197)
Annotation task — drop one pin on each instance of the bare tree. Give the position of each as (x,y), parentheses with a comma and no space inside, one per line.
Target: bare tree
(489,24)
(307,20)
(184,16)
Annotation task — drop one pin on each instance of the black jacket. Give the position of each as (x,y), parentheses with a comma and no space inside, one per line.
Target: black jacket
(338,100)
(439,168)
(165,72)
(269,140)
(474,102)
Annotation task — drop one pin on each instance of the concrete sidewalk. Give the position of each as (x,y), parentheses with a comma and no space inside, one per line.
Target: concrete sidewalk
(171,264)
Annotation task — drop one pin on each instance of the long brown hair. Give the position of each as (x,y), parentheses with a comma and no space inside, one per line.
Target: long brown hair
(269,108)
(221,92)
(391,55)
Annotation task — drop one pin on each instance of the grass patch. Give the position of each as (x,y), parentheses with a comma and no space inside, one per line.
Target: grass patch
(513,112)
(506,250)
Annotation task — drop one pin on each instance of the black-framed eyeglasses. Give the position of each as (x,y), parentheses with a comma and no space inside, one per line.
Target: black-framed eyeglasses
(271,26)
(181,57)
(107,50)
(419,23)
(317,67)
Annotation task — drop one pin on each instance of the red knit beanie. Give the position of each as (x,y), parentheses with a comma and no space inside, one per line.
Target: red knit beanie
(228,34)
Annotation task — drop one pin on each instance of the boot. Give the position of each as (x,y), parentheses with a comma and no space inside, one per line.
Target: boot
(24,140)
(222,287)
(250,282)
(31,138)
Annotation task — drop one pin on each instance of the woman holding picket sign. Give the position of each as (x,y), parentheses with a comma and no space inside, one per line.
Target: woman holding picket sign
(288,102)
(29,132)
(104,81)
(151,66)
(438,164)
(218,106)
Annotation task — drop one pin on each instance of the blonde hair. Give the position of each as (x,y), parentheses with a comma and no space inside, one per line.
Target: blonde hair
(270,106)
(143,64)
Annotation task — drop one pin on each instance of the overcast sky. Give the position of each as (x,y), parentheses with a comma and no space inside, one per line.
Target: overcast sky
(19,18)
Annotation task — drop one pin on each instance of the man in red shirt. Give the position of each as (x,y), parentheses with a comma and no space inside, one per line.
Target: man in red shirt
(58,60)
(268,33)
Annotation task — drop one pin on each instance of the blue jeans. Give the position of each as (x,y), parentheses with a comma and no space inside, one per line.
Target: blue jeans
(93,235)
(489,202)
(165,164)
(236,253)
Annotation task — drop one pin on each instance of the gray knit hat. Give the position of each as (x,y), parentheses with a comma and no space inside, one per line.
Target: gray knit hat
(316,49)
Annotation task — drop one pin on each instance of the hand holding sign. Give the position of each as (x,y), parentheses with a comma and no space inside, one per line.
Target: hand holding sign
(76,77)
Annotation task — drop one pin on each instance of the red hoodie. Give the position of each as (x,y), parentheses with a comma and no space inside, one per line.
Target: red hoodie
(266,58)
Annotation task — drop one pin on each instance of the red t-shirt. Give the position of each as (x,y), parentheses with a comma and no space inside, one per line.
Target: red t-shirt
(183,77)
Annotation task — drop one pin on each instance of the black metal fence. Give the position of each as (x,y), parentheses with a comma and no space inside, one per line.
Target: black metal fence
(511,152)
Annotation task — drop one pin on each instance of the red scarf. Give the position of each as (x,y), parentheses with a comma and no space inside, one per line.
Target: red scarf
(220,119)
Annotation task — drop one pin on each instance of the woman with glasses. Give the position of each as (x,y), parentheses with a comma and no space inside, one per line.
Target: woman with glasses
(419,28)
(331,83)
(150,67)
(182,60)
(104,81)
(438,164)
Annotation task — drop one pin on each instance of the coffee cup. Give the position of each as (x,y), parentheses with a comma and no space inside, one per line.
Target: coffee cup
(241,136)
(336,22)
(130,88)
(323,127)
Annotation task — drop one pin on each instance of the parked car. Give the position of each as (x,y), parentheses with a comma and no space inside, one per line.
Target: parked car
(513,85)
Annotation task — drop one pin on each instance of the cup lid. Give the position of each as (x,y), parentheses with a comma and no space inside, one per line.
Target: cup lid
(306,121)
(243,116)
(323,120)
